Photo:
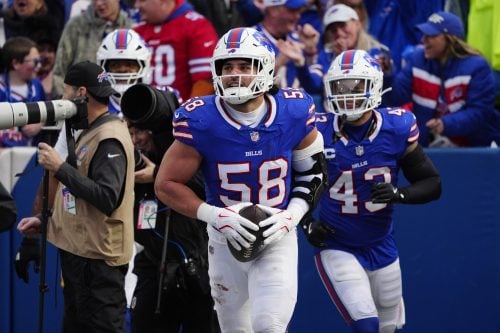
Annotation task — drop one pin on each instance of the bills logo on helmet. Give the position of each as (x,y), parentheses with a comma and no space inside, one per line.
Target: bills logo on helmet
(264,41)
(372,61)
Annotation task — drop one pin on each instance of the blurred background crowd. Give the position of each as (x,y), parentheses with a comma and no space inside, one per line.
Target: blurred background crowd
(444,68)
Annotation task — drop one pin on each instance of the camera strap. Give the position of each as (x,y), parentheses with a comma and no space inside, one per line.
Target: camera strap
(70,140)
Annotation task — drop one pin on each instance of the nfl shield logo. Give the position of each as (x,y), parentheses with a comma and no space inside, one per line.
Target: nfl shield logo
(360,151)
(254,136)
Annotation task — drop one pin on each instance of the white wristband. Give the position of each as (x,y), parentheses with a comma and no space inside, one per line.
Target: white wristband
(298,208)
(206,213)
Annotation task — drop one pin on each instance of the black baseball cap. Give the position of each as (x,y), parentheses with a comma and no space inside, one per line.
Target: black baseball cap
(91,76)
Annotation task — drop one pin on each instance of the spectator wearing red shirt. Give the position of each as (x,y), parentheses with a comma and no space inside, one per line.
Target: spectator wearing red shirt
(182,42)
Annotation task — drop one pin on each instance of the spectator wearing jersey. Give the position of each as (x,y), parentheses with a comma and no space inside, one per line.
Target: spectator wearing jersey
(343,31)
(83,34)
(253,12)
(182,42)
(451,87)
(280,26)
(18,83)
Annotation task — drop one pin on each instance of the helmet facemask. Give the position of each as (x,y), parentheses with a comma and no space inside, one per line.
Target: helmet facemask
(353,84)
(351,97)
(122,81)
(236,88)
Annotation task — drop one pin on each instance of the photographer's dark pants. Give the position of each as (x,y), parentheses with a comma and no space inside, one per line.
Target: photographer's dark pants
(179,308)
(94,295)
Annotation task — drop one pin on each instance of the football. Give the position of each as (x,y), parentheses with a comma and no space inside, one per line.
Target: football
(254,214)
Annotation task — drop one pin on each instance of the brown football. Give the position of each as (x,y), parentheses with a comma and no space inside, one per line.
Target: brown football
(254,214)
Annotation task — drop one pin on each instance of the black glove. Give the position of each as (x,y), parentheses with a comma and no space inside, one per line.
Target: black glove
(28,250)
(386,193)
(316,232)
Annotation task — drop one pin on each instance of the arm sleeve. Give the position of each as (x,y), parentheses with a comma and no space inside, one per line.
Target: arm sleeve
(104,185)
(425,181)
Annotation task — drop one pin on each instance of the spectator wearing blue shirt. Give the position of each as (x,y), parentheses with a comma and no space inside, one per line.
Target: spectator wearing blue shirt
(279,26)
(343,31)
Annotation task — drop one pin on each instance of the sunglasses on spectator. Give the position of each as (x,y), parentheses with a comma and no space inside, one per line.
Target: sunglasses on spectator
(36,61)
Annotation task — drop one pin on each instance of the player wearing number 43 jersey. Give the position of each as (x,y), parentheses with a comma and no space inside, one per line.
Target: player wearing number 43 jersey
(255,144)
(365,148)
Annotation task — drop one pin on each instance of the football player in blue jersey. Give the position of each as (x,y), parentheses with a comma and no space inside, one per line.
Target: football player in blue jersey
(365,148)
(254,144)
(126,59)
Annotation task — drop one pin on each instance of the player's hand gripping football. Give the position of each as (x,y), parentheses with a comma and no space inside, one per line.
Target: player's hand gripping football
(228,221)
(316,231)
(386,193)
(280,222)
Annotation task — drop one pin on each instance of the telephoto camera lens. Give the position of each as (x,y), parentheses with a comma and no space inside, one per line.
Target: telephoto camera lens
(149,108)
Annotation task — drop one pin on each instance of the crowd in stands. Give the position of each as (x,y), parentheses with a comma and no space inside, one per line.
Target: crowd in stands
(306,36)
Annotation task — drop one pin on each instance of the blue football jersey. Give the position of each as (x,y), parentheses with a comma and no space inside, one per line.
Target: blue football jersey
(114,106)
(354,166)
(240,163)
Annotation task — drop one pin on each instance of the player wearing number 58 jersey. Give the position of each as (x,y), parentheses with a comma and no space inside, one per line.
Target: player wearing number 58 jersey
(365,148)
(245,163)
(255,144)
(181,41)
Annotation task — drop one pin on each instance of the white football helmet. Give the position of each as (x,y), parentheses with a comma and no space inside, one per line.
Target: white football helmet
(353,84)
(248,44)
(125,44)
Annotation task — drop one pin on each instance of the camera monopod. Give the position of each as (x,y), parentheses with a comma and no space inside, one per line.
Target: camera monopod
(163,262)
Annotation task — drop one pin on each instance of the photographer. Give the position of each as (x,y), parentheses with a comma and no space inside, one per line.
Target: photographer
(185,299)
(91,222)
